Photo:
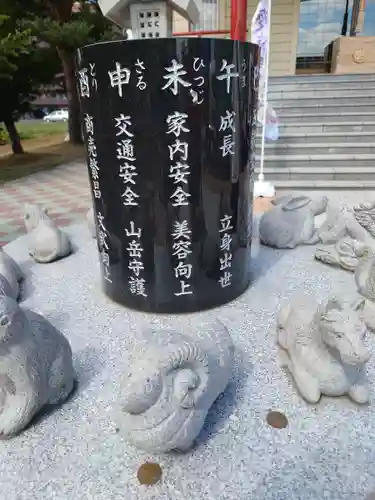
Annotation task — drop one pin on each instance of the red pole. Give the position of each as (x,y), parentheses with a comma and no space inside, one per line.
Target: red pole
(238,20)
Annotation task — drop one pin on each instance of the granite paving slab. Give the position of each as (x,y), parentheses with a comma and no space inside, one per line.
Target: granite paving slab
(326,452)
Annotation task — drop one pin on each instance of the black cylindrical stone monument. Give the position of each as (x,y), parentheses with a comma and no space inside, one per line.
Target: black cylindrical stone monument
(169,131)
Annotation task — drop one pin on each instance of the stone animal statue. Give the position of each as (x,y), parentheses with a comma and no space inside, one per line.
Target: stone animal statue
(36,366)
(46,241)
(10,276)
(322,346)
(365,272)
(91,222)
(340,223)
(342,254)
(173,385)
(291,221)
(365,215)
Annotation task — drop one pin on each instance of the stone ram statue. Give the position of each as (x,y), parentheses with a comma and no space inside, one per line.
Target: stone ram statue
(365,215)
(344,254)
(172,386)
(10,276)
(291,221)
(340,223)
(46,241)
(322,346)
(36,366)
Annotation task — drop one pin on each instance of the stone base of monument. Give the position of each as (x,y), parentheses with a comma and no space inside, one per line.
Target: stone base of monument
(325,451)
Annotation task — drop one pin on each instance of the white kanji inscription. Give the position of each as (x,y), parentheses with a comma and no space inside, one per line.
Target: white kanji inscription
(180,197)
(225,261)
(184,289)
(179,172)
(91,146)
(130,197)
(225,224)
(97,192)
(137,286)
(136,266)
(227,121)
(107,275)
(94,82)
(181,249)
(176,123)
(105,257)
(122,124)
(127,173)
(94,167)
(226,241)
(229,74)
(179,147)
(228,145)
(84,87)
(100,219)
(173,77)
(89,124)
(132,231)
(135,249)
(103,240)
(125,150)
(181,230)
(119,77)
(226,279)
(183,270)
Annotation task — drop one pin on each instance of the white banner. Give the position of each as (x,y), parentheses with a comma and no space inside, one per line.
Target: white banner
(260,33)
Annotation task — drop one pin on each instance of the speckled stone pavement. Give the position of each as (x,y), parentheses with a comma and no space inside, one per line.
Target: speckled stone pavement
(63,190)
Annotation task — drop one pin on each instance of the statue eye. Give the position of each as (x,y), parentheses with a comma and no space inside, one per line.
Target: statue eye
(4,320)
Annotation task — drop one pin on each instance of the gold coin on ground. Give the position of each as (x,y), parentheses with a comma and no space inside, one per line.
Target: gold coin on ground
(277,420)
(149,473)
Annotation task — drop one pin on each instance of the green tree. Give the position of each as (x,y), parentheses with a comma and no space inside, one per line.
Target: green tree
(67,29)
(24,67)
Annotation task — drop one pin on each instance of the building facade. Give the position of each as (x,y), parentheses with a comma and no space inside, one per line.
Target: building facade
(301,31)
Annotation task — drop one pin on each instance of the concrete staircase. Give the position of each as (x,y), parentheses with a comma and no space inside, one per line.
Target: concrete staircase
(327,134)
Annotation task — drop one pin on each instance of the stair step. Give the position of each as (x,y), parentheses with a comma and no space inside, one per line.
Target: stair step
(318,172)
(320,185)
(327,149)
(333,108)
(319,92)
(298,138)
(323,101)
(328,117)
(296,86)
(321,79)
(331,126)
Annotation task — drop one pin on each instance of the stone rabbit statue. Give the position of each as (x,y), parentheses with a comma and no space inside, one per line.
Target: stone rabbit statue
(46,241)
(36,366)
(322,346)
(173,385)
(90,217)
(291,221)
(10,276)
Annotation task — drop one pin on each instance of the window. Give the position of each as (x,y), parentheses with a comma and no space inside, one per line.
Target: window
(209,15)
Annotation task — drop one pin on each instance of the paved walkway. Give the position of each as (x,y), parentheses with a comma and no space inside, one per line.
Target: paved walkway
(63,190)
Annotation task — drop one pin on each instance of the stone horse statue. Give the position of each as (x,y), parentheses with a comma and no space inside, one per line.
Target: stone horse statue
(322,346)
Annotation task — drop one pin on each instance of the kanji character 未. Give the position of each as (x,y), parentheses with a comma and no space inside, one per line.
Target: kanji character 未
(173,77)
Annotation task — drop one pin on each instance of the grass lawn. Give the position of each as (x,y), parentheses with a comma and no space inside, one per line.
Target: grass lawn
(39,129)
(38,159)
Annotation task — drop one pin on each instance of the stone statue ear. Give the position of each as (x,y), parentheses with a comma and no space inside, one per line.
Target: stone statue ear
(296,202)
(359,304)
